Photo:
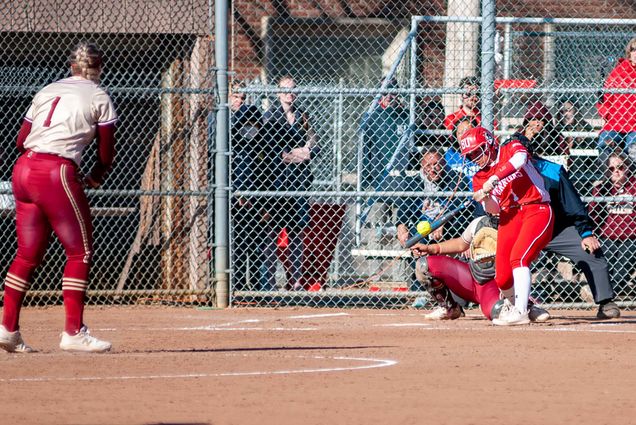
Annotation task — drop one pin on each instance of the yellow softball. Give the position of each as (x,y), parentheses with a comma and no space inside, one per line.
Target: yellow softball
(423,228)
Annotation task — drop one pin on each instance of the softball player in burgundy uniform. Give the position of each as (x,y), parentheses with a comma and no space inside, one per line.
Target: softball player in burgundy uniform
(63,119)
(508,184)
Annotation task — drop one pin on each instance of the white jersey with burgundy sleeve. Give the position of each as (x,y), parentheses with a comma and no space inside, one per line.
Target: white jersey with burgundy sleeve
(65,115)
(523,186)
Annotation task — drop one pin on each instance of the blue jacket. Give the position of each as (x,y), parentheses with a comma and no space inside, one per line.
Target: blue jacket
(382,131)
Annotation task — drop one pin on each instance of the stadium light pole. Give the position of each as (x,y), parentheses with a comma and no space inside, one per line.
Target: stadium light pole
(221,204)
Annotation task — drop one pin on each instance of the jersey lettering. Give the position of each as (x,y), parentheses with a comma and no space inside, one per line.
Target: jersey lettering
(47,122)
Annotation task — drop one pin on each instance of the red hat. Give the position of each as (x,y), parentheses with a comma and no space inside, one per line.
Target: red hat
(538,111)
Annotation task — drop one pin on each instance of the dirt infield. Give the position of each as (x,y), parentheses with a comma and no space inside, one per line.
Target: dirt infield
(322,366)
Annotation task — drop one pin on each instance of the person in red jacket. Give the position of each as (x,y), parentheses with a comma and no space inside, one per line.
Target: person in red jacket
(470,103)
(618,217)
(508,184)
(619,109)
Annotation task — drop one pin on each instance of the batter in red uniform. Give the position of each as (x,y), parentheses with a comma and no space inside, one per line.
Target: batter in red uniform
(509,185)
(63,119)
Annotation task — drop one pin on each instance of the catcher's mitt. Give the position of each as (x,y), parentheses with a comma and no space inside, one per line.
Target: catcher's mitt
(484,245)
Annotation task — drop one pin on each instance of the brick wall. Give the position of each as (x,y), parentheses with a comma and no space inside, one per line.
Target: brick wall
(248,23)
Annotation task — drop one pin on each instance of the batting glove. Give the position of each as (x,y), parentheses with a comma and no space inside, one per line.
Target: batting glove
(490,184)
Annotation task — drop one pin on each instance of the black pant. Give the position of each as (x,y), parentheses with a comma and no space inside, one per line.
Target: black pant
(594,266)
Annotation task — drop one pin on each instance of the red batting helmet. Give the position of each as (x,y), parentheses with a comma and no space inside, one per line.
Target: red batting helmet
(474,139)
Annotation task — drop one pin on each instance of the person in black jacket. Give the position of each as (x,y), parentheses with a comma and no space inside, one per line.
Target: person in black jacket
(573,235)
(290,145)
(246,121)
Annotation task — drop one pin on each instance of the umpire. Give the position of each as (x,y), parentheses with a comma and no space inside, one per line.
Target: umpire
(573,235)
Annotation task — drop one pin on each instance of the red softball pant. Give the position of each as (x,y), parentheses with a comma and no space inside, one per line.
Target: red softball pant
(455,274)
(49,197)
(523,232)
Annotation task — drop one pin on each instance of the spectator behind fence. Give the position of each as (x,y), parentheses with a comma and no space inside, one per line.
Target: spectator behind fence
(538,126)
(570,118)
(617,218)
(468,112)
(618,110)
(470,103)
(431,119)
(246,143)
(290,144)
(382,131)
(434,176)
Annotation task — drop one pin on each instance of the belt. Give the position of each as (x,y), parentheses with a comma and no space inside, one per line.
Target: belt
(49,156)
(528,203)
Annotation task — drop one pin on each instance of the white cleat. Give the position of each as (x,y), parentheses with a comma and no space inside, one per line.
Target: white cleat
(538,314)
(13,342)
(511,316)
(83,341)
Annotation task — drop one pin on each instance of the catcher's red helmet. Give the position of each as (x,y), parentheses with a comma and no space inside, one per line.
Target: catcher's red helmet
(476,138)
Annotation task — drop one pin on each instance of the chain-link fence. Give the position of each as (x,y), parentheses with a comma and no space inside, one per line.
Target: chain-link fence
(354,126)
(151,217)
(356,111)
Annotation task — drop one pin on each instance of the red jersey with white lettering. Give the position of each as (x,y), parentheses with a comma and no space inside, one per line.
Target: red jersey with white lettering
(524,186)
(65,115)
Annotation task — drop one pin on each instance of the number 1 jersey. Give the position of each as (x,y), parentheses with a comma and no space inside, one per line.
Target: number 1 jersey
(65,115)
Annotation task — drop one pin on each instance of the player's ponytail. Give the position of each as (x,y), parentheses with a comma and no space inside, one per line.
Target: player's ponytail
(86,61)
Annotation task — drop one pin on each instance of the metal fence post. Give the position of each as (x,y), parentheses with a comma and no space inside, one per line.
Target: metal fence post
(221,222)
(488,33)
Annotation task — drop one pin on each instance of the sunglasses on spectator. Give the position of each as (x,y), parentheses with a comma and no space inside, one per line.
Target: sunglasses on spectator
(611,168)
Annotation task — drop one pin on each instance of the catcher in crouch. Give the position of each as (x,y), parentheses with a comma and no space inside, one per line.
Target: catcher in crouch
(473,281)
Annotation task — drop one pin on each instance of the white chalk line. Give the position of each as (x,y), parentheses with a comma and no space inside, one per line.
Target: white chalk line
(227,326)
(215,329)
(376,363)
(530,328)
(403,325)
(316,316)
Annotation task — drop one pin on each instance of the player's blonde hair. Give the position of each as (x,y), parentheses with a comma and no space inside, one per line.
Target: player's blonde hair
(86,61)
(631,45)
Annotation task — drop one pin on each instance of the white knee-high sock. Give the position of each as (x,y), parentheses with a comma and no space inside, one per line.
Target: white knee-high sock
(522,281)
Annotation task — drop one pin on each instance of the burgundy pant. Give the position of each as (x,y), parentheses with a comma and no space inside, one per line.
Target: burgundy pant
(457,277)
(49,196)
